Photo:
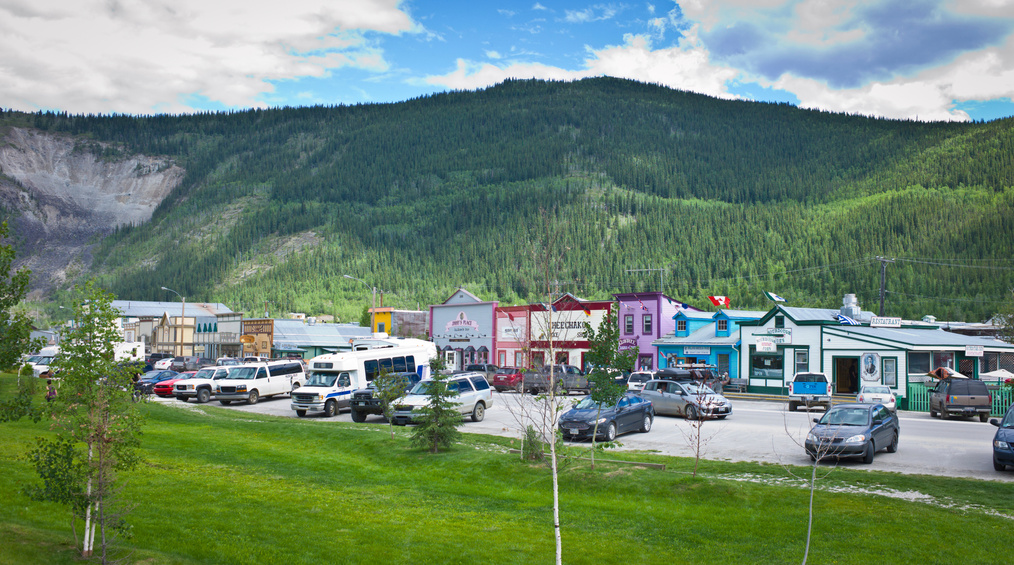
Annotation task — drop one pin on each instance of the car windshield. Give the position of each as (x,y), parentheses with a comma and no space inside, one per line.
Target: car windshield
(1008,420)
(44,361)
(228,362)
(639,378)
(696,390)
(846,417)
(203,374)
(423,388)
(242,373)
(588,404)
(321,379)
(33,359)
(876,390)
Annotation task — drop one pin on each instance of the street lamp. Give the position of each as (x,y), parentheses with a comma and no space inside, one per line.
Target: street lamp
(373,311)
(183,315)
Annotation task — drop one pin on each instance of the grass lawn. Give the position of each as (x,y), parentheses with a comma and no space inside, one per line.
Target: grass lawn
(220,486)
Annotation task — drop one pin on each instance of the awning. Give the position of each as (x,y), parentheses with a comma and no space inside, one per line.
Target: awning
(469,349)
(482,349)
(447,348)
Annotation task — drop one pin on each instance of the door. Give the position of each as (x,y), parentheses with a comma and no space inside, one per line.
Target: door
(846,375)
(626,417)
(345,390)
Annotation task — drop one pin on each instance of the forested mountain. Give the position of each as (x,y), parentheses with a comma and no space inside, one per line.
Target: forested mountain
(423,196)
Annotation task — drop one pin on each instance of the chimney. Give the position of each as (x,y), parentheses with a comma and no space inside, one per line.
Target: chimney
(850,307)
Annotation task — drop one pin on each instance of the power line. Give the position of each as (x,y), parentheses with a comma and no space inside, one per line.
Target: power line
(988,299)
(960,265)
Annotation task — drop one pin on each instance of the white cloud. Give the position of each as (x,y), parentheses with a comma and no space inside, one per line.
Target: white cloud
(685,68)
(137,56)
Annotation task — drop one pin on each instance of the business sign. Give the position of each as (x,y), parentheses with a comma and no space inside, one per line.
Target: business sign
(512,333)
(885,322)
(461,325)
(871,367)
(690,350)
(973,350)
(776,339)
(564,325)
(627,343)
(779,331)
(766,346)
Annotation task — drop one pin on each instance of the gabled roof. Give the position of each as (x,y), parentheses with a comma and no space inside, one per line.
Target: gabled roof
(462,296)
(917,337)
(703,336)
(742,314)
(694,314)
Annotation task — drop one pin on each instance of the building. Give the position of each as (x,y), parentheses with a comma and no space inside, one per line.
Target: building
(705,338)
(463,329)
(400,323)
(513,347)
(643,318)
(878,350)
(168,327)
(527,333)
(308,338)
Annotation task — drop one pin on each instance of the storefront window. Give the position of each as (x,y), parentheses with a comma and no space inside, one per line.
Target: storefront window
(890,371)
(766,367)
(924,362)
(562,358)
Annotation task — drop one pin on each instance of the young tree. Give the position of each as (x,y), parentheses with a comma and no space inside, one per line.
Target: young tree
(15,327)
(606,360)
(389,388)
(97,426)
(438,426)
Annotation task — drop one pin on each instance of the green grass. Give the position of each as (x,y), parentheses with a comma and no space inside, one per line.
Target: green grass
(219,486)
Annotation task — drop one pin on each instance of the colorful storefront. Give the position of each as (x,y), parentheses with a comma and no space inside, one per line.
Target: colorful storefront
(645,317)
(705,338)
(463,329)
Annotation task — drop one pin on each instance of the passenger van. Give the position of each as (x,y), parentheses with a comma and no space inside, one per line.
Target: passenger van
(334,376)
(251,381)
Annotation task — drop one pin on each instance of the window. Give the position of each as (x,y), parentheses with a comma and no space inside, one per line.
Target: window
(766,367)
(779,321)
(344,380)
(646,324)
(681,325)
(480,383)
(723,363)
(924,362)
(890,371)
(381,327)
(386,365)
(372,369)
(722,325)
(628,324)
(519,358)
(802,361)
(562,357)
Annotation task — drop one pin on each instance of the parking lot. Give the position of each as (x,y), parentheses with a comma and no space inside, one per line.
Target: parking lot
(762,431)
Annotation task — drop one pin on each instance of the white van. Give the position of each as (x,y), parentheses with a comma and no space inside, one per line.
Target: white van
(252,381)
(200,386)
(334,376)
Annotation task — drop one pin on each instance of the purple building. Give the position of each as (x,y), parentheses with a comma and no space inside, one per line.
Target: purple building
(643,318)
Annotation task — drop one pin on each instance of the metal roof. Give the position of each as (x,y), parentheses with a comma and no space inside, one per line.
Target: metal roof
(919,338)
(146,309)
(703,336)
(297,332)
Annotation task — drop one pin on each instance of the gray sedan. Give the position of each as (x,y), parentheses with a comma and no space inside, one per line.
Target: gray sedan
(687,399)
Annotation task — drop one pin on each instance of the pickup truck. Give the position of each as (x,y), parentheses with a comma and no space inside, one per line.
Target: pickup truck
(568,379)
(809,389)
(364,402)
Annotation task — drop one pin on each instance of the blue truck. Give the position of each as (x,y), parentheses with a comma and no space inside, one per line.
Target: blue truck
(809,389)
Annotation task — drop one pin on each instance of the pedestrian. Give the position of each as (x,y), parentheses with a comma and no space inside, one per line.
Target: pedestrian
(50,390)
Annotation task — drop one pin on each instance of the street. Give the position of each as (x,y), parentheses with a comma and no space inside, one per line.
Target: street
(761,431)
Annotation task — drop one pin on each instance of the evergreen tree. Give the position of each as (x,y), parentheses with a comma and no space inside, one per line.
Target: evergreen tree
(439,420)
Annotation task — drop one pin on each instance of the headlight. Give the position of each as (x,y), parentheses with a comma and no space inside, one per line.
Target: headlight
(320,396)
(997,444)
(858,438)
(241,388)
(602,420)
(812,437)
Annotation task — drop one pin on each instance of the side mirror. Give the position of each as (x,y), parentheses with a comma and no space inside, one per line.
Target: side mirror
(877,421)
(995,422)
(816,420)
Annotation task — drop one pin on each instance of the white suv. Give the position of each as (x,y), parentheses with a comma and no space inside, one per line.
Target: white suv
(252,381)
(200,386)
(473,397)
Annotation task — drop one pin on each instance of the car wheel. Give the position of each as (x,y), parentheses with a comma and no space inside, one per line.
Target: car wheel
(253,398)
(933,413)
(813,456)
(868,456)
(330,408)
(203,396)
(225,402)
(983,417)
(478,412)
(519,388)
(301,413)
(646,424)
(690,413)
(722,417)
(611,431)
(793,406)
(894,444)
(998,466)
(358,416)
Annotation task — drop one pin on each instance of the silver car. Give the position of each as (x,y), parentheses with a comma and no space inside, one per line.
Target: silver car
(877,394)
(687,399)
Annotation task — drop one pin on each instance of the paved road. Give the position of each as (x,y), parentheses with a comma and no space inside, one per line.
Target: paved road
(761,431)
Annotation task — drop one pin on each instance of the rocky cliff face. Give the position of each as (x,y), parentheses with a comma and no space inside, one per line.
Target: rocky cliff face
(62,192)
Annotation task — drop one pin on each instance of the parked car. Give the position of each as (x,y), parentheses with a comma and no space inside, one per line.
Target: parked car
(189,363)
(853,430)
(472,393)
(809,389)
(961,397)
(201,385)
(630,413)
(674,374)
(567,379)
(877,394)
(162,364)
(637,379)
(227,362)
(508,378)
(155,357)
(167,388)
(146,383)
(687,399)
(487,369)
(1003,441)
(364,401)
(251,382)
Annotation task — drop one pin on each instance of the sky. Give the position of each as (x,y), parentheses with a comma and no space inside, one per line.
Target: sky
(925,60)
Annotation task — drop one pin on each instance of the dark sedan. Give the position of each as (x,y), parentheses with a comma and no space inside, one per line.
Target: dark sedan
(853,430)
(1003,441)
(146,384)
(630,413)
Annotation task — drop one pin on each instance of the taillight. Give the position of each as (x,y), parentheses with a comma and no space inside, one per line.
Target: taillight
(947,398)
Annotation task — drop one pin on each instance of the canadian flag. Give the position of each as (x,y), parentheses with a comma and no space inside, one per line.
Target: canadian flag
(719,300)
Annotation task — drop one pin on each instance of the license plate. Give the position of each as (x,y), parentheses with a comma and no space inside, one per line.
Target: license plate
(573,432)
(359,403)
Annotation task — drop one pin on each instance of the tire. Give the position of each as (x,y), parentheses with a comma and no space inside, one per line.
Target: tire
(331,408)
(893,447)
(997,466)
(793,406)
(301,413)
(646,424)
(520,388)
(225,402)
(983,417)
(813,456)
(611,431)
(868,456)
(254,397)
(478,412)
(933,413)
(690,412)
(203,396)
(722,417)
(358,416)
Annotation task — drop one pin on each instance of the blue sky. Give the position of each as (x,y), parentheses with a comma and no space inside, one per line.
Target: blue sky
(907,59)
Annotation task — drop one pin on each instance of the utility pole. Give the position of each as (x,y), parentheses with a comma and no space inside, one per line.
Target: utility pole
(883,280)
(661,273)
